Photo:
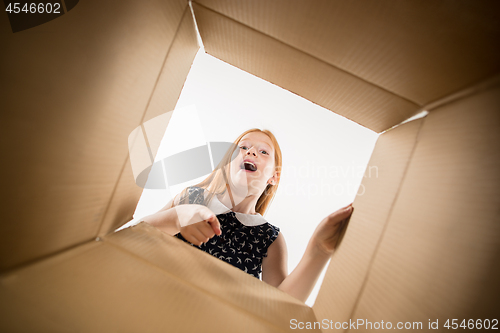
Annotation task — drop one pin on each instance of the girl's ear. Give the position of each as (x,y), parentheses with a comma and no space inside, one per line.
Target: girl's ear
(274,179)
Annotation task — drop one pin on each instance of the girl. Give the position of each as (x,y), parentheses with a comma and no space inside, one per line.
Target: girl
(246,181)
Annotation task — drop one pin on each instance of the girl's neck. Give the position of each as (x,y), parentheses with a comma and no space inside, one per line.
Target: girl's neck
(242,204)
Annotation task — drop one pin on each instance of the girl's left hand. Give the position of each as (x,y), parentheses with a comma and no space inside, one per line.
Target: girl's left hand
(326,235)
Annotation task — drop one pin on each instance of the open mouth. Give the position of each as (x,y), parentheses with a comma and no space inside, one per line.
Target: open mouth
(249,166)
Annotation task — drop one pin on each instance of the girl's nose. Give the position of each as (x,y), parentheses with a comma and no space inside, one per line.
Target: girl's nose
(251,150)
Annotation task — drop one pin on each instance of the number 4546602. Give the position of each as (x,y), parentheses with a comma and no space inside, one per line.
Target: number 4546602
(34,8)
(472,324)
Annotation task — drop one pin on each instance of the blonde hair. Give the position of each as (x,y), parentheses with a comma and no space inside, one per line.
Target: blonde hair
(217,182)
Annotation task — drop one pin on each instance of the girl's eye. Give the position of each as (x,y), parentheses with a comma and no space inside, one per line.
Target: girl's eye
(264,152)
(244,147)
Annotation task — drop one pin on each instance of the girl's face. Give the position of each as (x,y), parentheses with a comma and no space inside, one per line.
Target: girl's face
(254,167)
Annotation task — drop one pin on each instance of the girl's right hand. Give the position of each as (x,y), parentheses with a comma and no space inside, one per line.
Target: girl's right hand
(328,233)
(197,223)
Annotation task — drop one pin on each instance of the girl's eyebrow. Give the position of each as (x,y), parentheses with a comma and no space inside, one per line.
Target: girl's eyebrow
(266,146)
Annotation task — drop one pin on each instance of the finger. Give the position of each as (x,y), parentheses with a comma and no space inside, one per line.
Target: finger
(214,223)
(344,212)
(199,234)
(337,217)
(340,228)
(341,234)
(342,225)
(206,229)
(348,207)
(197,237)
(190,238)
(348,218)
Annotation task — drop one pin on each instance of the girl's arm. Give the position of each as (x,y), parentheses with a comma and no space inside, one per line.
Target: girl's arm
(166,218)
(275,265)
(302,279)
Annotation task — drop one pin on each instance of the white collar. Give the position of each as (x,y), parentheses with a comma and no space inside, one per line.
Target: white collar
(247,219)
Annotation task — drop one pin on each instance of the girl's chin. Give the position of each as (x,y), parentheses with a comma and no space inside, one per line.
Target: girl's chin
(242,184)
(241,176)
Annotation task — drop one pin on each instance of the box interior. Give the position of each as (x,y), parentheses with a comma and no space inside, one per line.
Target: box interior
(424,240)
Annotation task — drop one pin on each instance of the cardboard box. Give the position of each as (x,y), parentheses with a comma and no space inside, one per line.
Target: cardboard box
(423,245)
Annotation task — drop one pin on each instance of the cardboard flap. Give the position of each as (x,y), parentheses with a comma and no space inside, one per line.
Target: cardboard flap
(350,265)
(299,72)
(73,90)
(438,258)
(141,280)
(167,89)
(419,50)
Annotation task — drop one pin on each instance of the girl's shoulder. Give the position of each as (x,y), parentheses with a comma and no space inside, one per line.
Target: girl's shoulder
(196,195)
(195,189)
(272,230)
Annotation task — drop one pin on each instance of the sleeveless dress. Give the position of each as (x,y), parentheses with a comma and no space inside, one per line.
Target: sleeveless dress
(244,238)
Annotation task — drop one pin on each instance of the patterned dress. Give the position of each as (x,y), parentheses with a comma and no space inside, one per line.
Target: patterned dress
(244,240)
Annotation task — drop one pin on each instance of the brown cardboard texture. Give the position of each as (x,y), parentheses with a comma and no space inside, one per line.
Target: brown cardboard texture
(423,243)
